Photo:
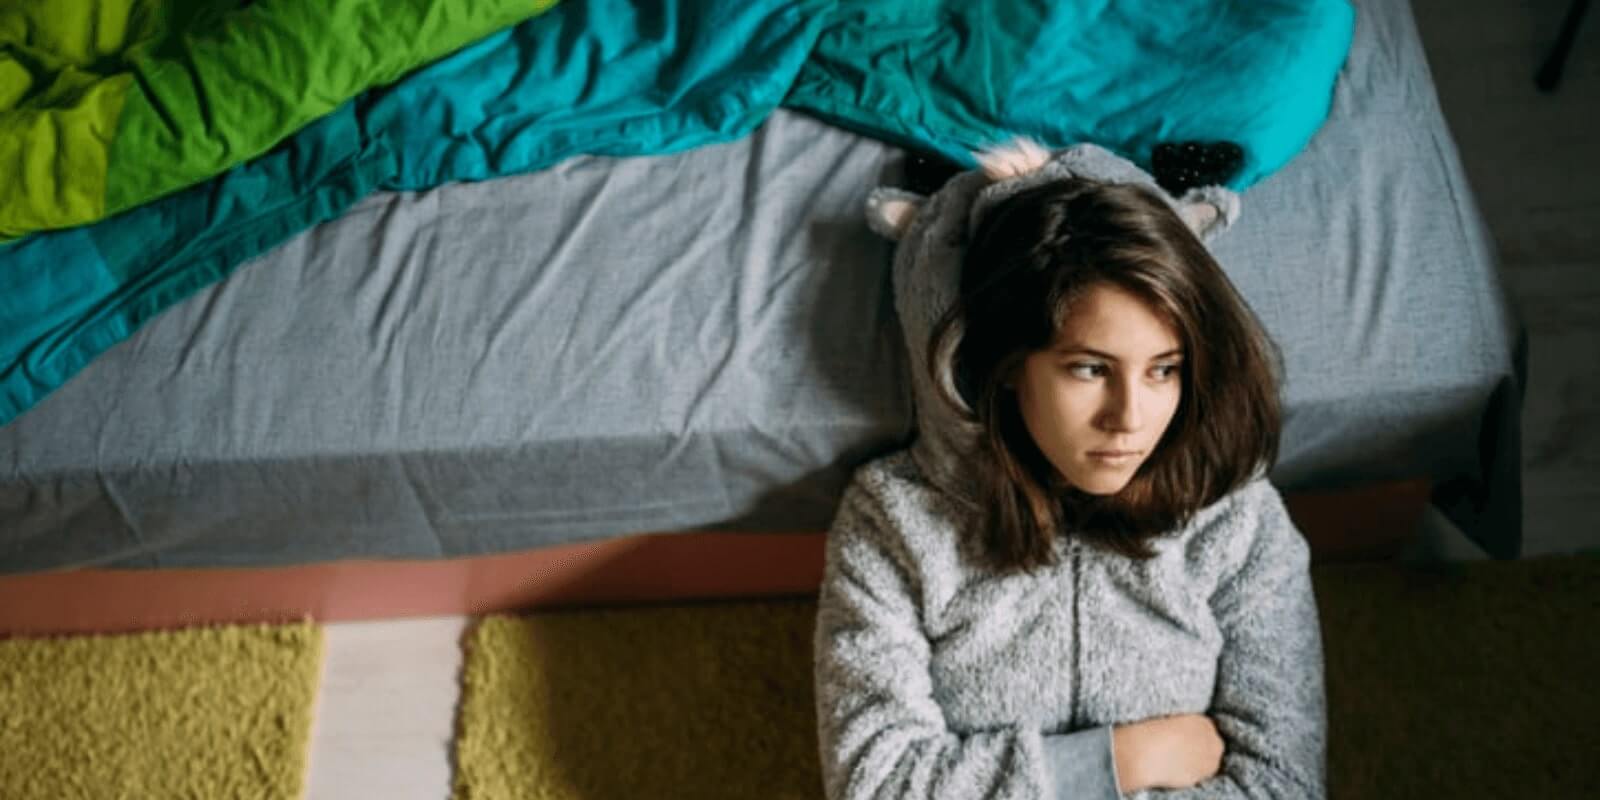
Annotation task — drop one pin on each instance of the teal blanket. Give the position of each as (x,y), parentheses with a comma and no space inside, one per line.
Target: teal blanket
(607,77)
(955,76)
(615,77)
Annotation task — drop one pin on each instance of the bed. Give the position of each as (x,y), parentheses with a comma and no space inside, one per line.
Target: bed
(705,342)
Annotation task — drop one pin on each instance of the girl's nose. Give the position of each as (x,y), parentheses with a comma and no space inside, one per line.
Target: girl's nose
(1122,409)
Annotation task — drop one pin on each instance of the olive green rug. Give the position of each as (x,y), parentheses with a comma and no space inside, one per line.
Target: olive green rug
(200,713)
(1474,680)
(699,702)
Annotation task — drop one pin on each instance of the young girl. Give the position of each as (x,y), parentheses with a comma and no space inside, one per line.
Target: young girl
(1077,582)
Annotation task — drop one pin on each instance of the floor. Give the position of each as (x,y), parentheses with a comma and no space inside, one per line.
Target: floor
(387,709)
(1534,163)
(386,713)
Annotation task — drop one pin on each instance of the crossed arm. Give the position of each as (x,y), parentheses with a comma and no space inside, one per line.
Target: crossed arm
(882,734)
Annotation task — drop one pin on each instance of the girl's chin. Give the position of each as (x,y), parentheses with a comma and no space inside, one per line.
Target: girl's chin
(1103,491)
(1101,484)
(1098,476)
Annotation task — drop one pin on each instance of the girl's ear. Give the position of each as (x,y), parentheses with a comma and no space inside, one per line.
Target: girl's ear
(891,211)
(1208,210)
(1013,376)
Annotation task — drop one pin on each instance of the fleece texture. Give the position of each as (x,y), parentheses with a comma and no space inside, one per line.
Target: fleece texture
(936,677)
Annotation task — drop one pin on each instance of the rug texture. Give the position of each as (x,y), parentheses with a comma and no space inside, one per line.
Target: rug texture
(200,713)
(1474,680)
(1463,681)
(708,701)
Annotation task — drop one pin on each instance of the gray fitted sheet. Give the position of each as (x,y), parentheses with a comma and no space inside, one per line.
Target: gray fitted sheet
(706,341)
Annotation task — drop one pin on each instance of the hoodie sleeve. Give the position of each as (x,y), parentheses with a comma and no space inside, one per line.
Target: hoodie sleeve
(881,733)
(1269,704)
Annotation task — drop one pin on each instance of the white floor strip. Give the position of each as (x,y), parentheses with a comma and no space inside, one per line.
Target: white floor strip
(386,711)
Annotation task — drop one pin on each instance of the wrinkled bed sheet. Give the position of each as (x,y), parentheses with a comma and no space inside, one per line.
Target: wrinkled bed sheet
(706,340)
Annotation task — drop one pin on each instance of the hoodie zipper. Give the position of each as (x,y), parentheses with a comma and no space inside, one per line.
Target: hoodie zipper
(1076,676)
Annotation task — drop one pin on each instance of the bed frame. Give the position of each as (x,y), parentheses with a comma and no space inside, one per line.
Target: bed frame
(1365,523)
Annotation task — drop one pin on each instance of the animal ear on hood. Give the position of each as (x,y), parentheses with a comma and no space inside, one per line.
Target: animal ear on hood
(1208,210)
(1012,160)
(891,211)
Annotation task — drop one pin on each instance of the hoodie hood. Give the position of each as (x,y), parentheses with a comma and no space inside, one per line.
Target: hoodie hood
(933,234)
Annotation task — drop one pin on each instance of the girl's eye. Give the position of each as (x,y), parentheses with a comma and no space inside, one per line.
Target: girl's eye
(1087,370)
(1166,371)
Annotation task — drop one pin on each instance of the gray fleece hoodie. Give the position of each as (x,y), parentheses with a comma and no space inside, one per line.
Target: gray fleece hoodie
(936,677)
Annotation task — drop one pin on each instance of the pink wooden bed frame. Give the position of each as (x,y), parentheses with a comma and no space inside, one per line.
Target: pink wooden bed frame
(1363,523)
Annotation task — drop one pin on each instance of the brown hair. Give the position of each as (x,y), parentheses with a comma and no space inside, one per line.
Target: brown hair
(1031,257)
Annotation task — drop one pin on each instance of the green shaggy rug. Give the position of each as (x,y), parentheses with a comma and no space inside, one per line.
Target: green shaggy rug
(218,712)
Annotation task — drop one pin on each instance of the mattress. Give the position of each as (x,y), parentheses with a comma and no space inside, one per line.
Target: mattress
(707,341)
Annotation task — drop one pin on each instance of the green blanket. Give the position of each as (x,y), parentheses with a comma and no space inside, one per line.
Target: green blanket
(107,104)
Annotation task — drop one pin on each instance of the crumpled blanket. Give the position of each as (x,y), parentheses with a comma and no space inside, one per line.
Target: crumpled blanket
(603,77)
(108,104)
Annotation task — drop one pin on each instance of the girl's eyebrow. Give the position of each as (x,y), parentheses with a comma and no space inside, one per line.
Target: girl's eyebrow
(1071,349)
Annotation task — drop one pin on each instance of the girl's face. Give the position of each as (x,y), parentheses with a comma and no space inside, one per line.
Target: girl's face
(1097,402)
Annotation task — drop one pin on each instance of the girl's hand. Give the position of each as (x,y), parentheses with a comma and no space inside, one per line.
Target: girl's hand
(1167,752)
